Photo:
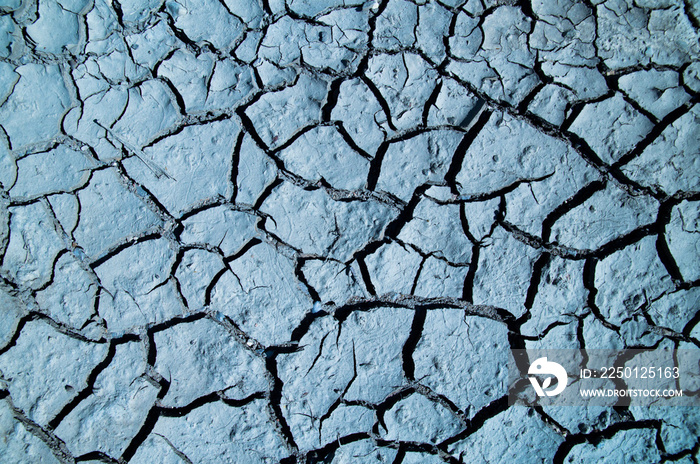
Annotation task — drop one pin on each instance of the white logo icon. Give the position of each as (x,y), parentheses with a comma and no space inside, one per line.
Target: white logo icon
(543,367)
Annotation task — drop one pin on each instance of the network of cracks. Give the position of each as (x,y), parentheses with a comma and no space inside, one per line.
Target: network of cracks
(242,231)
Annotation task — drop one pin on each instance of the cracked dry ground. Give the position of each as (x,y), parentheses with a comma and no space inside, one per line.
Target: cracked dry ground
(245,232)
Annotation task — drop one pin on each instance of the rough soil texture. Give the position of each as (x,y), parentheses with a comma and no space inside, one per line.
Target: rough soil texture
(236,231)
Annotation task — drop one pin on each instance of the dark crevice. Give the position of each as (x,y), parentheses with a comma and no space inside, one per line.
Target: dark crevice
(375,166)
(569,204)
(380,98)
(494,408)
(597,436)
(119,248)
(350,141)
(184,319)
(325,455)
(537,270)
(235,161)
(364,272)
(655,132)
(97,456)
(303,327)
(667,259)
(462,148)
(468,289)
(275,402)
(589,284)
(57,447)
(411,342)
(143,433)
(178,97)
(18,331)
(87,391)
(331,99)
(266,193)
(430,102)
